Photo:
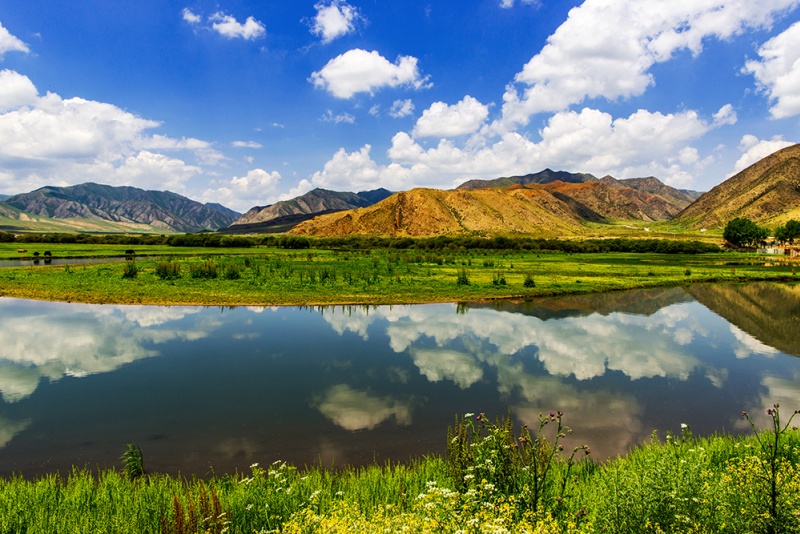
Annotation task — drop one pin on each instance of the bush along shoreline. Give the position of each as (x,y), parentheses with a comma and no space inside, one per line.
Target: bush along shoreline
(494,478)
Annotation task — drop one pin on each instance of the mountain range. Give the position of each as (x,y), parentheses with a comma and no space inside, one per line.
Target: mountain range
(548,204)
(559,204)
(286,214)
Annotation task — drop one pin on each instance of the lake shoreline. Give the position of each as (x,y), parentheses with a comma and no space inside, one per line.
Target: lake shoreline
(376,301)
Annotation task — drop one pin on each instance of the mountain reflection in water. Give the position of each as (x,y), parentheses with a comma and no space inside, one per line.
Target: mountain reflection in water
(203,389)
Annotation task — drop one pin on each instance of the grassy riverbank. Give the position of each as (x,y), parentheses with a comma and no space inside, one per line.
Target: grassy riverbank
(276,276)
(493,480)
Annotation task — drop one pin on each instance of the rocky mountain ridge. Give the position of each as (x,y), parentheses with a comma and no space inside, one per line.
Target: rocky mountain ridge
(315,201)
(543,177)
(159,209)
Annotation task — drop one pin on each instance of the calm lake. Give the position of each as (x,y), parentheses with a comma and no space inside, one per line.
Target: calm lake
(212,390)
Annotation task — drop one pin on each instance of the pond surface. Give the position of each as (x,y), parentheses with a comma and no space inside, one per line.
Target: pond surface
(42,262)
(212,390)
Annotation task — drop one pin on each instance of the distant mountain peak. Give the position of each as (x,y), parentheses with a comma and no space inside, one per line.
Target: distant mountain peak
(317,200)
(543,177)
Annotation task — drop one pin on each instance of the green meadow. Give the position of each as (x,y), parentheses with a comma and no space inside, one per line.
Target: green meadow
(273,275)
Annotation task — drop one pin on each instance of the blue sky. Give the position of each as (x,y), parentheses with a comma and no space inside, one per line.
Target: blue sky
(248,102)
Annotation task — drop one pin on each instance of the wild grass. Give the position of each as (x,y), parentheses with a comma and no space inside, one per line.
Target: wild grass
(272,276)
(678,483)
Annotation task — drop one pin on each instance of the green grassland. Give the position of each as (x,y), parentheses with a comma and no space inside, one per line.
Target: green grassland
(275,276)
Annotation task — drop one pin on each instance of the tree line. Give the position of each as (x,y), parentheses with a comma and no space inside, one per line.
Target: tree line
(428,244)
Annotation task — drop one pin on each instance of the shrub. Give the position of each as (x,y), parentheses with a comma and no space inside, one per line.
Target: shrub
(168,270)
(232,272)
(462,279)
(131,270)
(529,281)
(205,270)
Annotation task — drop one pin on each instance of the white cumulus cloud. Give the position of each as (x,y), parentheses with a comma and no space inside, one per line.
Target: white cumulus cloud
(335,18)
(605,49)
(359,71)
(778,72)
(258,186)
(150,170)
(725,116)
(228,26)
(441,120)
(49,140)
(401,108)
(355,171)
(755,149)
(9,43)
(190,17)
(16,90)
(642,144)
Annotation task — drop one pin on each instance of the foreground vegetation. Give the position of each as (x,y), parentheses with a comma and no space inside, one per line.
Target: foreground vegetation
(493,480)
(274,275)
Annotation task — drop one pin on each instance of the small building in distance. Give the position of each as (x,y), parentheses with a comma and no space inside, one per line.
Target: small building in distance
(793,251)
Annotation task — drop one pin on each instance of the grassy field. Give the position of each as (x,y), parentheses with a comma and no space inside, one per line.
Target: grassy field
(493,480)
(276,276)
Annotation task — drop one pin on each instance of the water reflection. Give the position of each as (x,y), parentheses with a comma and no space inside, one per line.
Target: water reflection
(51,341)
(353,409)
(202,388)
(767,312)
(584,347)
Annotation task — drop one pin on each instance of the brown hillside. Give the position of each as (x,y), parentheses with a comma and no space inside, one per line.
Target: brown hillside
(426,212)
(765,191)
(613,201)
(653,186)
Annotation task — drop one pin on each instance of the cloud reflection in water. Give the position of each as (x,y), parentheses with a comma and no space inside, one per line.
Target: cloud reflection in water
(354,409)
(54,340)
